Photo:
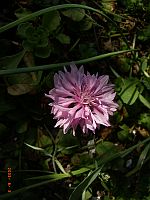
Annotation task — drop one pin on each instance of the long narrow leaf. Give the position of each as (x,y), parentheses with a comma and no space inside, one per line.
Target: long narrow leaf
(58,7)
(144,101)
(34,147)
(141,160)
(56,177)
(58,65)
(77,193)
(46,10)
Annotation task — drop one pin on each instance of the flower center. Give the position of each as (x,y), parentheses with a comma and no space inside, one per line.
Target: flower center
(84,96)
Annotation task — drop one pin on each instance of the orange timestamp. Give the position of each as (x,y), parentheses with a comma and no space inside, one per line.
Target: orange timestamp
(9,175)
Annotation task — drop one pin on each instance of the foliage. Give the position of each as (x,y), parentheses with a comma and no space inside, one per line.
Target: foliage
(37,39)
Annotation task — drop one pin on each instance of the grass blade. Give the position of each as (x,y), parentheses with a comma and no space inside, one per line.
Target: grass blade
(58,65)
(76,194)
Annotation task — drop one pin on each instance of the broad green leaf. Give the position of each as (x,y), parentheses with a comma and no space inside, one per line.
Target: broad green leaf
(75,14)
(65,142)
(124,127)
(144,101)
(22,12)
(144,34)
(146,82)
(44,141)
(105,148)
(129,92)
(22,28)
(124,135)
(64,39)
(87,50)
(37,37)
(109,4)
(77,193)
(144,120)
(82,159)
(19,89)
(20,84)
(23,78)
(124,64)
(42,52)
(86,195)
(86,24)
(51,21)
(11,62)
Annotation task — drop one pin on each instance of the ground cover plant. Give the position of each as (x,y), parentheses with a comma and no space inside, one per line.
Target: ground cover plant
(74,100)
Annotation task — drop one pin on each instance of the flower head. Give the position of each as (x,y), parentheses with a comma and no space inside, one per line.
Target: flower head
(81,99)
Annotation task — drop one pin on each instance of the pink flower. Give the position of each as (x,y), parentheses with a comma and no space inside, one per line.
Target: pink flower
(80,99)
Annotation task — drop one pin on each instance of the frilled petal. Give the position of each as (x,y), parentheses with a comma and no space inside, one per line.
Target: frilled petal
(81,99)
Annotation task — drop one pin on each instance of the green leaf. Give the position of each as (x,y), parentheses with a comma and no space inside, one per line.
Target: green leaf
(129,92)
(20,84)
(23,78)
(60,166)
(66,142)
(86,195)
(144,64)
(11,62)
(34,147)
(44,141)
(106,148)
(19,89)
(82,159)
(22,28)
(37,36)
(56,177)
(124,64)
(76,194)
(75,14)
(109,4)
(87,50)
(124,135)
(144,34)
(22,12)
(124,127)
(51,21)
(64,39)
(146,82)
(144,101)
(140,161)
(86,24)
(144,120)
(42,52)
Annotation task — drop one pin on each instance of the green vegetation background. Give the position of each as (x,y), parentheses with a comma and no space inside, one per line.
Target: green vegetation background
(37,161)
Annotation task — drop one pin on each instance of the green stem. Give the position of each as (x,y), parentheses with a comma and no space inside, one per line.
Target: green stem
(46,10)
(58,65)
